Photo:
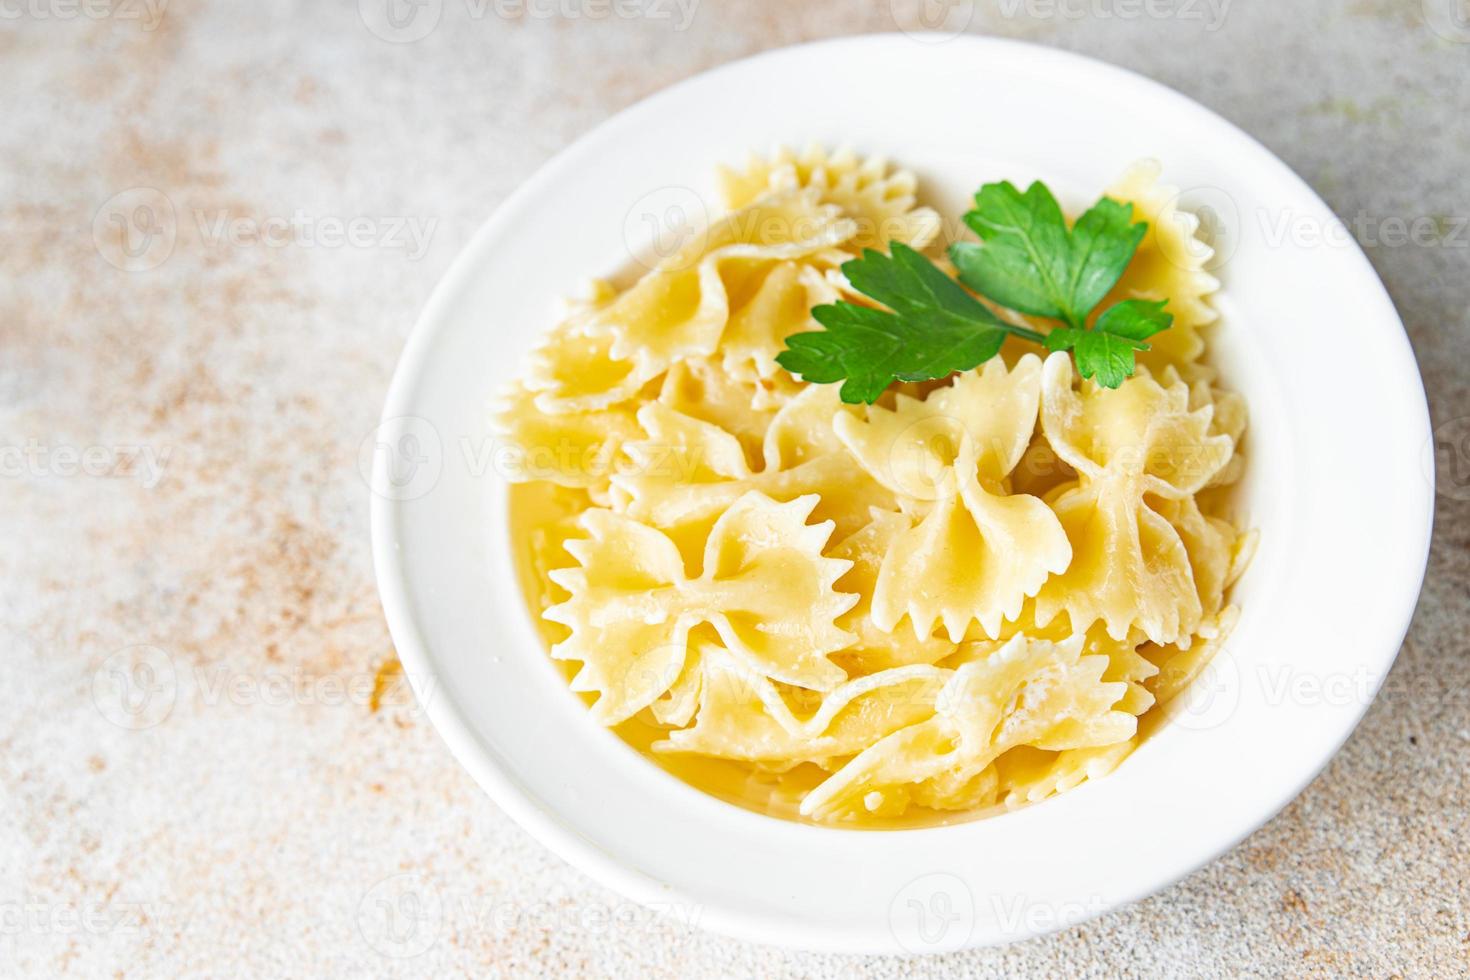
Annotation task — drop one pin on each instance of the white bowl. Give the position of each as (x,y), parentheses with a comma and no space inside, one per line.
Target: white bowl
(1335,485)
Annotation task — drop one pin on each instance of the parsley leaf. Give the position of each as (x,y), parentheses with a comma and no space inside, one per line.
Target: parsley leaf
(1106,351)
(935,328)
(1028,260)
(1031,262)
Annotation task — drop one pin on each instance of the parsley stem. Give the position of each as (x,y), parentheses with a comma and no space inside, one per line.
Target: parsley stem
(1023,332)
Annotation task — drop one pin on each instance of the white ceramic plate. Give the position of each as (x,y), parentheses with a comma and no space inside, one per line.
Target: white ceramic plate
(1335,485)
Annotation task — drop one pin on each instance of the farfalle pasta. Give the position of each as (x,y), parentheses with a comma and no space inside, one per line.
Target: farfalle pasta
(1130,446)
(1169,264)
(1028,692)
(765,588)
(881,201)
(968,596)
(976,552)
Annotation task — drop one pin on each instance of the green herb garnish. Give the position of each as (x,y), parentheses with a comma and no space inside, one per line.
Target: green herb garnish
(1028,261)
(935,328)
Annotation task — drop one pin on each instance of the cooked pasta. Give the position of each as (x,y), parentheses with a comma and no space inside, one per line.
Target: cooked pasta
(966,597)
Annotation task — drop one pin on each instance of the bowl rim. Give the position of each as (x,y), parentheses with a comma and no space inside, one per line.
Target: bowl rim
(493,774)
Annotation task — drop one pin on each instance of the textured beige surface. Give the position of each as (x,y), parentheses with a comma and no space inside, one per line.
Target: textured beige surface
(255,826)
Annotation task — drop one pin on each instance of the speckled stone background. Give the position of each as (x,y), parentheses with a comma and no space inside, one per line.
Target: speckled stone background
(219,220)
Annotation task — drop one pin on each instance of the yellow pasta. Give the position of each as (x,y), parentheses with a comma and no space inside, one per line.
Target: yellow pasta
(881,201)
(687,472)
(978,552)
(1170,264)
(974,594)
(1130,446)
(744,716)
(765,587)
(1027,693)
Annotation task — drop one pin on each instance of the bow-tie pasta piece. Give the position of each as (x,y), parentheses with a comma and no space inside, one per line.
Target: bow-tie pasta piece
(701,389)
(1130,446)
(803,429)
(683,470)
(764,587)
(877,649)
(949,791)
(680,308)
(780,306)
(676,707)
(914,447)
(743,715)
(1125,664)
(626,614)
(1029,692)
(1169,264)
(1212,545)
(978,552)
(1230,418)
(578,449)
(686,471)
(551,513)
(1026,775)
(574,445)
(1180,664)
(574,371)
(776,595)
(1153,432)
(881,200)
